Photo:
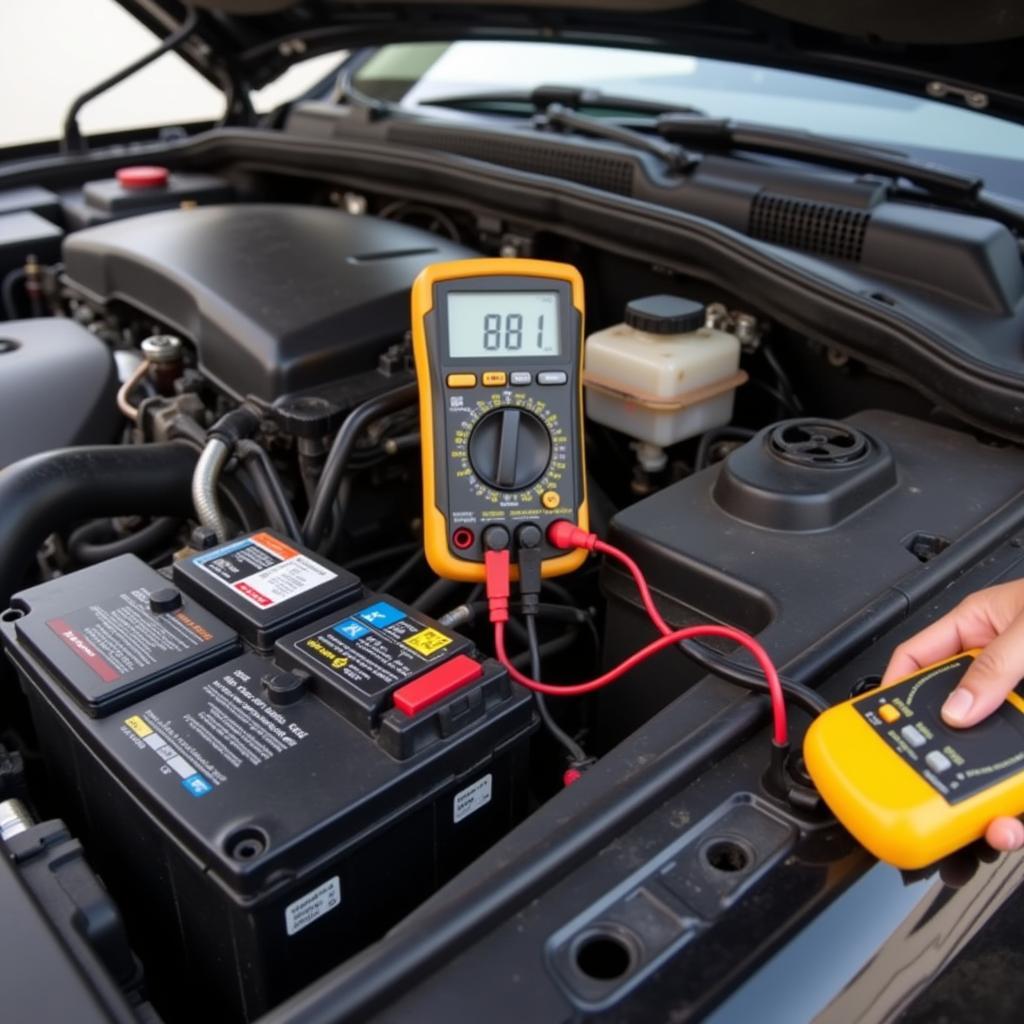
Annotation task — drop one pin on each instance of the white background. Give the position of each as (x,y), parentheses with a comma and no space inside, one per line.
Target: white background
(52,50)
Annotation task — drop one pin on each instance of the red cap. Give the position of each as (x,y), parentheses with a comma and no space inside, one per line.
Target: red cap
(571,775)
(142,177)
(437,684)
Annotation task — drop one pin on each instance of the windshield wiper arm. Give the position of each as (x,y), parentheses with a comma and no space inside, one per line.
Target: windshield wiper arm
(815,149)
(572,97)
(679,124)
(673,156)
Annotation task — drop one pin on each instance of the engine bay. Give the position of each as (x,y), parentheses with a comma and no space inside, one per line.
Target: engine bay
(287,747)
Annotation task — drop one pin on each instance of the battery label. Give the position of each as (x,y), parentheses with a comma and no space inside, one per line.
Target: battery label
(224,726)
(264,570)
(306,909)
(376,647)
(119,635)
(174,765)
(472,798)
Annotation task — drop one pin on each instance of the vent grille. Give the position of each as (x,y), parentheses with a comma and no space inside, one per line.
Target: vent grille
(820,228)
(567,162)
(819,443)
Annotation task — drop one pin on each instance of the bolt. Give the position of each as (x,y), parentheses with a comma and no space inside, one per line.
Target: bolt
(355,203)
(162,348)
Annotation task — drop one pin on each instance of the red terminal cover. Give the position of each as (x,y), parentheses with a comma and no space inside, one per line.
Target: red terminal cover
(437,684)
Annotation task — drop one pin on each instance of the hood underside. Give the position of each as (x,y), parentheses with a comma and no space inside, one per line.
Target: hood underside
(965,54)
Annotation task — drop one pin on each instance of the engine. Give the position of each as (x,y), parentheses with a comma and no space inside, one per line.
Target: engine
(277,733)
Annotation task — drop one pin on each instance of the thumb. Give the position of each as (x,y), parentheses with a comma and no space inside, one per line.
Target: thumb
(994,673)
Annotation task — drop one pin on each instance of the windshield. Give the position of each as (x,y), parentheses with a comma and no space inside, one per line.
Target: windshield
(415,73)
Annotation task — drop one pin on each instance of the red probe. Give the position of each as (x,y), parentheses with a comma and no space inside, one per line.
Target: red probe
(563,534)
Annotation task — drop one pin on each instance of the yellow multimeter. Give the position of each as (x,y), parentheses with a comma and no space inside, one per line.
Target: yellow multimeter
(499,349)
(909,787)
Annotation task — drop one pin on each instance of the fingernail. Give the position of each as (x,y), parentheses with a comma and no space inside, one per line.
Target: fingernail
(1015,839)
(958,703)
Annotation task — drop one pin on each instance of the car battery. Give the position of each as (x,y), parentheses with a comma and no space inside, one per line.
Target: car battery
(269,764)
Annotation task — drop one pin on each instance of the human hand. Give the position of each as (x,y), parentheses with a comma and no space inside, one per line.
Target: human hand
(993,620)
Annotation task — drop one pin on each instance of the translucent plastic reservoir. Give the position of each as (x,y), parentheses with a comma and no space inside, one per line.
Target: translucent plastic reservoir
(656,383)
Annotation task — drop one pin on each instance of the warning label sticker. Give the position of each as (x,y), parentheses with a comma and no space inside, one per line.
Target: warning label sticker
(118,636)
(428,641)
(264,570)
(377,647)
(225,726)
(472,798)
(306,909)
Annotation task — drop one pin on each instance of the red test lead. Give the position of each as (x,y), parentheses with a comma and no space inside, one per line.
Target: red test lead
(563,534)
(497,576)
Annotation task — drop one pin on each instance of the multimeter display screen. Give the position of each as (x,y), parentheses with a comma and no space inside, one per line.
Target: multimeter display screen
(483,324)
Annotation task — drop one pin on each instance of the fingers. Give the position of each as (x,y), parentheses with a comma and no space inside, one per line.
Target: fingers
(967,625)
(994,673)
(1005,834)
(992,619)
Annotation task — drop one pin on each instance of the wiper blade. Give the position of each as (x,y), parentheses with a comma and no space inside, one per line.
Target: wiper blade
(815,149)
(572,97)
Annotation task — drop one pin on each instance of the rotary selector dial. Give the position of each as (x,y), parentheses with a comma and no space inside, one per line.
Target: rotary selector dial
(509,448)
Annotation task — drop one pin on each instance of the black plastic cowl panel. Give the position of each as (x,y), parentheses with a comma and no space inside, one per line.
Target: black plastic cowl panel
(276,297)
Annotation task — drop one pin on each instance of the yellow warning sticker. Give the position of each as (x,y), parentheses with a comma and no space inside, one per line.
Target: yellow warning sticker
(138,726)
(427,641)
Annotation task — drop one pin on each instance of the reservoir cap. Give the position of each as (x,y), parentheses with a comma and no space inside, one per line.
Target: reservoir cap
(665,314)
(142,176)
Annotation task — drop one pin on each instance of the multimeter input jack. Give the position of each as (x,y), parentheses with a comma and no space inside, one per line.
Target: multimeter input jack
(496,538)
(463,538)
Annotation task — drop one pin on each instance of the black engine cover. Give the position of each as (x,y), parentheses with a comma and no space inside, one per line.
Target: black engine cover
(276,298)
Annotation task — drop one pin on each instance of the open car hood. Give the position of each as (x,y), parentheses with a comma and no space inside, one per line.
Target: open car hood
(964,54)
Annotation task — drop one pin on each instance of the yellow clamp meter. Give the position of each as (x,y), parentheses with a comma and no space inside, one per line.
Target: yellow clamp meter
(499,348)
(909,787)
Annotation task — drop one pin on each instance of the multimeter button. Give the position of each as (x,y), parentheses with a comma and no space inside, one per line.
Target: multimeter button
(552,377)
(461,380)
(551,499)
(913,736)
(519,378)
(937,761)
(495,379)
(888,714)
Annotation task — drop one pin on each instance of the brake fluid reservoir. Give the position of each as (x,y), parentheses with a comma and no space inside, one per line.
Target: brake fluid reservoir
(662,376)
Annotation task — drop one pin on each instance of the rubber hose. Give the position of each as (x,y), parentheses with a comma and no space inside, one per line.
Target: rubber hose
(47,493)
(204,487)
(274,499)
(96,541)
(11,281)
(341,450)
